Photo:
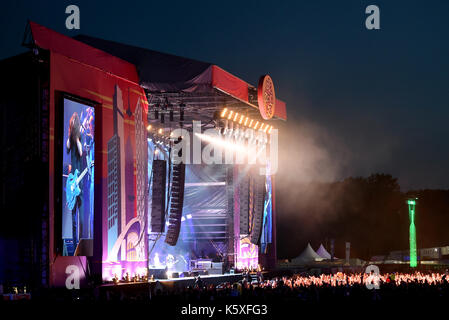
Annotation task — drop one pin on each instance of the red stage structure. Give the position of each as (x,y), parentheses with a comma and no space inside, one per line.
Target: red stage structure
(98,109)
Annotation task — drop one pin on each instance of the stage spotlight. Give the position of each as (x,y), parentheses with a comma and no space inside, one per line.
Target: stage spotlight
(266,128)
(235,116)
(261,126)
(241,119)
(260,138)
(251,123)
(271,128)
(230,128)
(171,115)
(160,131)
(230,115)
(183,219)
(242,134)
(221,142)
(236,132)
(248,134)
(256,125)
(149,127)
(224,127)
(255,139)
(246,121)
(223,113)
(189,216)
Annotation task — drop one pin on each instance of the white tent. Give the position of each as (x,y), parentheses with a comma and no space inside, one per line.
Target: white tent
(308,255)
(322,252)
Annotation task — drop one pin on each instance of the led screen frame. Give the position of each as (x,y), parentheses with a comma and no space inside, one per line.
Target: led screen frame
(78,206)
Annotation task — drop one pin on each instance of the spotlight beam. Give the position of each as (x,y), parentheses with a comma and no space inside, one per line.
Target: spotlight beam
(221,142)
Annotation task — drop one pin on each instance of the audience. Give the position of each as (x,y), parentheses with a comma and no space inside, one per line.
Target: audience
(302,288)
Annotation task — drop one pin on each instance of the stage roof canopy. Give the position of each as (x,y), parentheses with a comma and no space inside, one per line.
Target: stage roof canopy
(189,80)
(202,85)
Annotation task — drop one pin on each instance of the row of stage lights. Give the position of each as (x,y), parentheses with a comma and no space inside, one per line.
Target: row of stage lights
(242,120)
(233,125)
(230,125)
(158,137)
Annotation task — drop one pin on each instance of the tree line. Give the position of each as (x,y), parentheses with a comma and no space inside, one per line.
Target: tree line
(370,212)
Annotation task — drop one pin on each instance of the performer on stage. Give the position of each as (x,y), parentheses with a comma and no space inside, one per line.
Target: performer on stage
(87,132)
(79,189)
(75,148)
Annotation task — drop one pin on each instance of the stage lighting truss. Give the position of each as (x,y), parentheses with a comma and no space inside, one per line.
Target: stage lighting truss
(235,126)
(158,137)
(166,112)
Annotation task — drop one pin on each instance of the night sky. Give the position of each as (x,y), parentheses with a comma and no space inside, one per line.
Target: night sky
(359,101)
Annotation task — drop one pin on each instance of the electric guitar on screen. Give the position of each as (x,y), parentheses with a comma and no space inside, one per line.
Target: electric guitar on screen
(72,188)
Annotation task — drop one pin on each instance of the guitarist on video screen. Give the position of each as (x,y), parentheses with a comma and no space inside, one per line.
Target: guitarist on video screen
(75,148)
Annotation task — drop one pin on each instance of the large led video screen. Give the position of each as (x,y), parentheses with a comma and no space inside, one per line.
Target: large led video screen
(78,178)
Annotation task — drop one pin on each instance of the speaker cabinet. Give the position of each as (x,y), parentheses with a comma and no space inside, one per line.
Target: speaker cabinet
(176,204)
(258,207)
(244,203)
(158,196)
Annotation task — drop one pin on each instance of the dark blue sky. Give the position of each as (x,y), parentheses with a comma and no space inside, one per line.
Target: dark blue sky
(358,101)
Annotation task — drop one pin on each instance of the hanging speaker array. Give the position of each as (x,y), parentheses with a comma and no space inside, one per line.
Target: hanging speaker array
(258,205)
(159,174)
(244,200)
(176,204)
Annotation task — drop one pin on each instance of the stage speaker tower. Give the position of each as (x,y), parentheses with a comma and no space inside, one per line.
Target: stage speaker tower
(176,204)
(158,196)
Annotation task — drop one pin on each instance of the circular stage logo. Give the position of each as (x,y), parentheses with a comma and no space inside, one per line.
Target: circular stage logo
(266,97)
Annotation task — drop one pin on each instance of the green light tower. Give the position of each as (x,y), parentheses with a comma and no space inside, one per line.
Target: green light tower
(412,232)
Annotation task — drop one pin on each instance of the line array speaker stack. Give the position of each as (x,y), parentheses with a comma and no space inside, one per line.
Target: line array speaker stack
(176,204)
(230,194)
(258,207)
(158,196)
(244,202)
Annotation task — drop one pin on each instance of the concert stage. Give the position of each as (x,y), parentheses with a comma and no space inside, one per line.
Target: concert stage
(151,161)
